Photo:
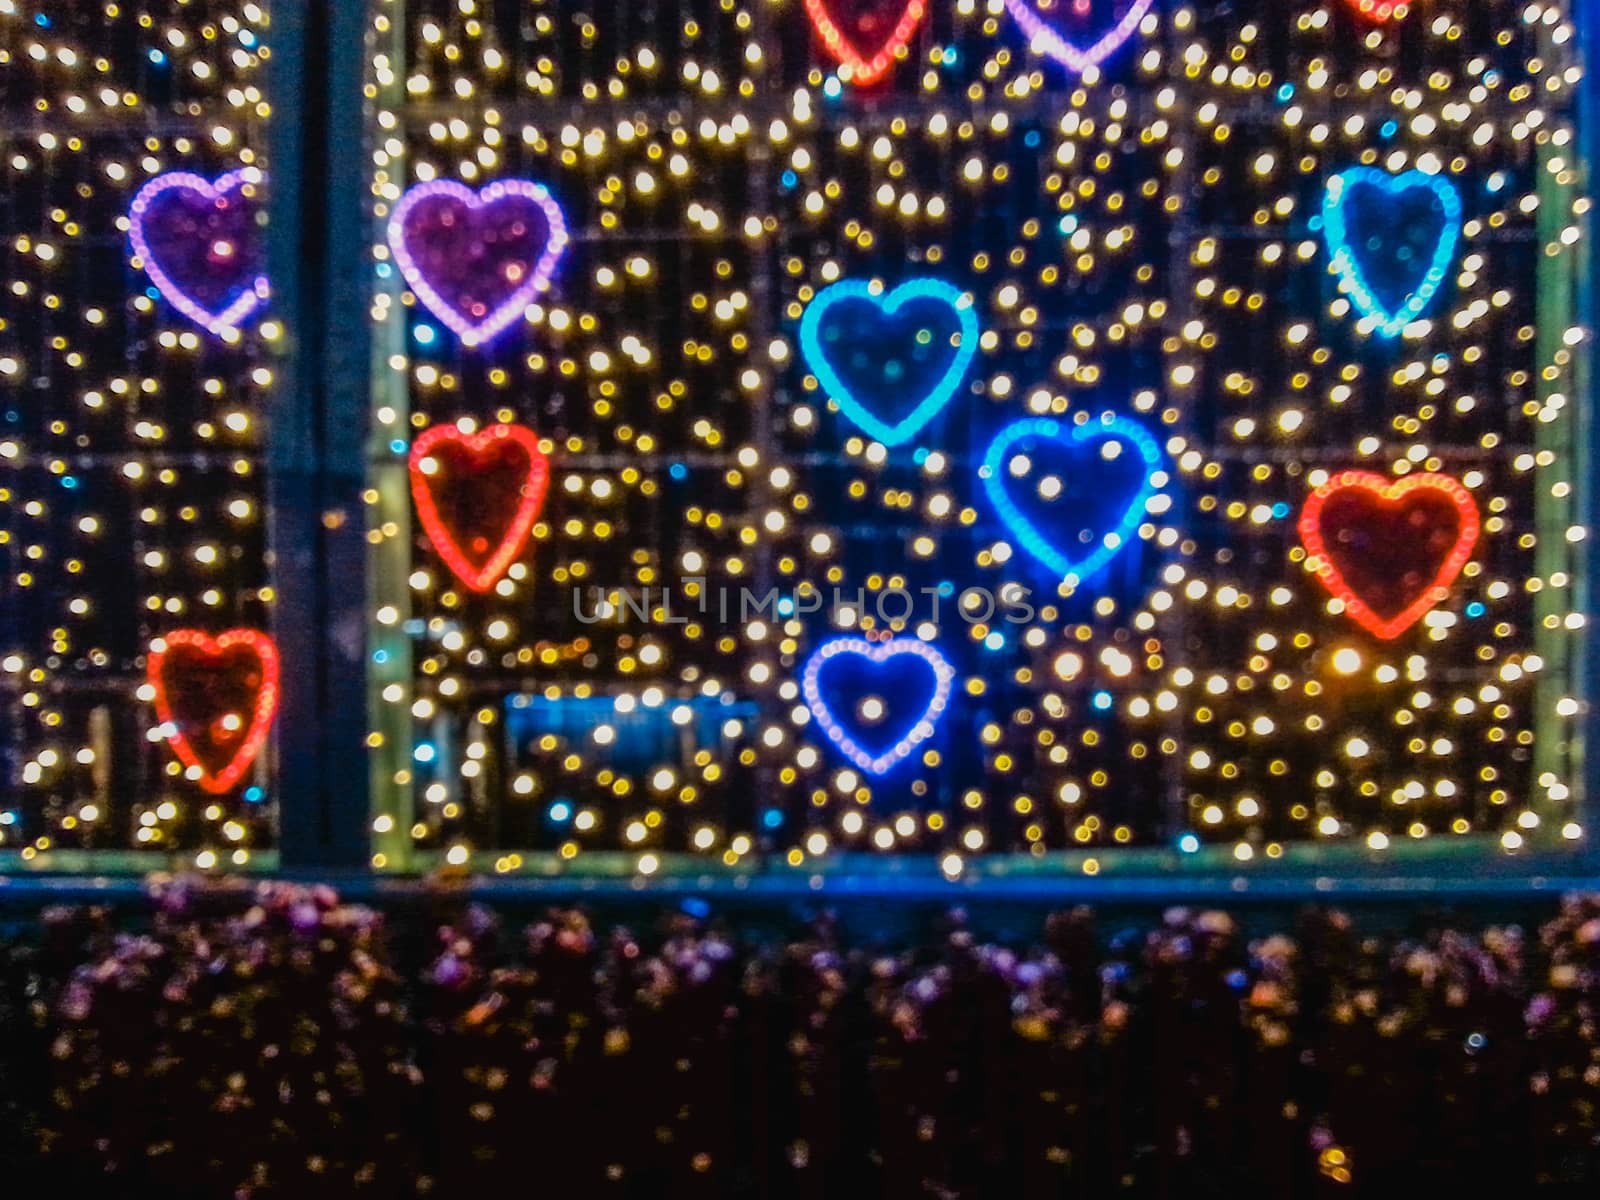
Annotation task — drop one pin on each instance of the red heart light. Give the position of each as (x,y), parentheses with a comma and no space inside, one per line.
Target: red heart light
(1389,549)
(1380,10)
(478,495)
(861,69)
(217,697)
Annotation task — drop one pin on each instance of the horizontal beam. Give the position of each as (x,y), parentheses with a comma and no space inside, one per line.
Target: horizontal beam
(33,891)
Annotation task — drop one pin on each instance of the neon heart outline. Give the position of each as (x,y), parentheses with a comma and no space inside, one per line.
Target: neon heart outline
(266,705)
(479,579)
(218,324)
(1042,36)
(1351,278)
(1032,538)
(877,653)
(478,333)
(1321,564)
(839,392)
(856,69)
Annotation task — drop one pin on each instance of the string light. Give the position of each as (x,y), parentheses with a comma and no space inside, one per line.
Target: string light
(1108,432)
(1152,230)
(835,299)
(1347,255)
(137,358)
(859,68)
(478,259)
(196,239)
(878,653)
(1047,39)
(205,689)
(1381,10)
(477,559)
(1323,559)
(1159,237)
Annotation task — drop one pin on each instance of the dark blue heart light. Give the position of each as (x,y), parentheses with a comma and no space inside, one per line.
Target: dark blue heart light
(904,674)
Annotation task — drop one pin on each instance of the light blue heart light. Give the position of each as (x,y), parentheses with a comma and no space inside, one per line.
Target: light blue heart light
(1030,536)
(1389,324)
(836,388)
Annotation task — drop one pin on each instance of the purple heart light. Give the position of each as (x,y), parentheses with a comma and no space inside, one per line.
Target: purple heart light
(477,259)
(1044,37)
(198,241)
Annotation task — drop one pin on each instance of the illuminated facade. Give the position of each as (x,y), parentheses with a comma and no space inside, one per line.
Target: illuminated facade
(1201,382)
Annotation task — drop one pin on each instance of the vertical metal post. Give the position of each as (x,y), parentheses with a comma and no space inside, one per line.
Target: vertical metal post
(1586,16)
(1555,737)
(1179,282)
(765,291)
(388,519)
(317,532)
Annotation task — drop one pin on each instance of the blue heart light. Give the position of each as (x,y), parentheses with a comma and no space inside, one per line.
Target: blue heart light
(1347,253)
(1108,428)
(853,405)
(877,653)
